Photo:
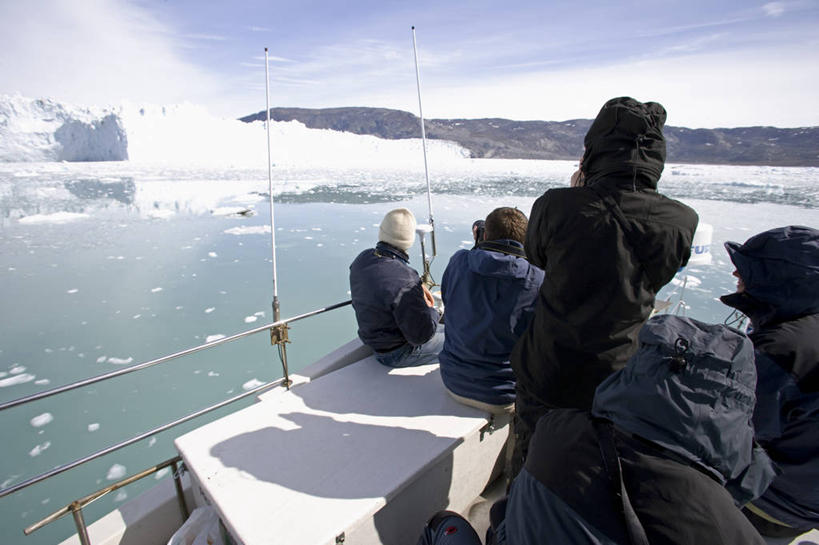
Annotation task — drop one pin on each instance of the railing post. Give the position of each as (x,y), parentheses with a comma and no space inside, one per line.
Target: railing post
(82,531)
(180,492)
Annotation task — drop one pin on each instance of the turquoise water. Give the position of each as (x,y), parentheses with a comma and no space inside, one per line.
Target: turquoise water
(151,261)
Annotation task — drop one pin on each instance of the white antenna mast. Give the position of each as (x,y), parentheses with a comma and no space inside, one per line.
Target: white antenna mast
(276,312)
(278,334)
(424,142)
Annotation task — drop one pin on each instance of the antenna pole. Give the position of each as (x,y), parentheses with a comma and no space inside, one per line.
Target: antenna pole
(278,335)
(424,142)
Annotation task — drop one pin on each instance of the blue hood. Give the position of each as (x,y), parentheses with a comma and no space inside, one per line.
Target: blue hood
(696,401)
(496,264)
(780,270)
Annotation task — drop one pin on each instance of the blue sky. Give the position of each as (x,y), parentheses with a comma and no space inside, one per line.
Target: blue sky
(711,63)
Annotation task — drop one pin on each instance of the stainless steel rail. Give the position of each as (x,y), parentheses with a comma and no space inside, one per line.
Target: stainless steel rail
(76,506)
(151,363)
(65,467)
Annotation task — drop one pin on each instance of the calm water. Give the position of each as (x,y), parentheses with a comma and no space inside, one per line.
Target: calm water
(108,265)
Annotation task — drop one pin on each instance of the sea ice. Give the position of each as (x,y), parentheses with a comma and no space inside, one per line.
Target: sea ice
(212,254)
(252,383)
(209,310)
(155,290)
(117,471)
(213,374)
(16,379)
(94,426)
(249,230)
(122,495)
(73,290)
(211,338)
(42,420)
(57,218)
(17,369)
(102,359)
(151,441)
(250,319)
(42,382)
(162,472)
(39,449)
(120,361)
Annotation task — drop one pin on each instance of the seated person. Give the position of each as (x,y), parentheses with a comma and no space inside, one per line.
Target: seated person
(395,311)
(665,455)
(778,289)
(489,294)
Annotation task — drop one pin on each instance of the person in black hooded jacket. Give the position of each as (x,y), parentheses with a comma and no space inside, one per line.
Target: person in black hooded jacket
(778,289)
(607,245)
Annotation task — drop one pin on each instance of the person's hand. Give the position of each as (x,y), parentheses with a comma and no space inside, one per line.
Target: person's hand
(430,301)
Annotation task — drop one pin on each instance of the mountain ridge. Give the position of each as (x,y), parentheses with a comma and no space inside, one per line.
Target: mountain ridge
(510,139)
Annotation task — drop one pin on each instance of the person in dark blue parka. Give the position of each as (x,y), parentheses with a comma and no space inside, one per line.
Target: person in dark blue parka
(489,294)
(395,311)
(778,289)
(673,426)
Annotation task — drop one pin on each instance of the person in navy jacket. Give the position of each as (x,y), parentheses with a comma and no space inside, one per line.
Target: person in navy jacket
(395,311)
(489,294)
(778,289)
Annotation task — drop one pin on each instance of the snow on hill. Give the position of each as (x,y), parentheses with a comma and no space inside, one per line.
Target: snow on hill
(44,130)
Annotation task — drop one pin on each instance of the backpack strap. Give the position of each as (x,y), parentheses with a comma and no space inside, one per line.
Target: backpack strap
(611,464)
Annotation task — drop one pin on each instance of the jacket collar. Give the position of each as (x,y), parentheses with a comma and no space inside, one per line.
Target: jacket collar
(382,249)
(504,246)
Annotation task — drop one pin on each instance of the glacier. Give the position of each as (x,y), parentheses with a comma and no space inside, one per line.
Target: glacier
(44,130)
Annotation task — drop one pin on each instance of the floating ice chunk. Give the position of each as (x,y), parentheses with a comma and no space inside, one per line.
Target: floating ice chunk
(259,314)
(120,361)
(248,230)
(213,374)
(116,471)
(209,310)
(57,217)
(3,374)
(160,214)
(162,472)
(94,426)
(212,254)
(252,383)
(156,290)
(315,229)
(178,307)
(211,338)
(73,290)
(102,359)
(16,379)
(41,420)
(308,238)
(42,382)
(39,449)
(17,369)
(151,441)
(122,495)
(137,316)
(250,319)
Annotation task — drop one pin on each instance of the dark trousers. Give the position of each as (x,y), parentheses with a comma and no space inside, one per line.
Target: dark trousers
(528,410)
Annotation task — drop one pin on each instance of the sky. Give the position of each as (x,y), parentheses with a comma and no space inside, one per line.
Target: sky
(710,63)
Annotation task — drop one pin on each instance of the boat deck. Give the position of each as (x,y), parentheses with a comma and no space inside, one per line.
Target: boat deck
(365,451)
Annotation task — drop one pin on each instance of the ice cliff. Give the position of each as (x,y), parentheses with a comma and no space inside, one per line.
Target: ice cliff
(43,130)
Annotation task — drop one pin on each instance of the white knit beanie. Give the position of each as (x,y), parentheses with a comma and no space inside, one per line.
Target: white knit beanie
(398,229)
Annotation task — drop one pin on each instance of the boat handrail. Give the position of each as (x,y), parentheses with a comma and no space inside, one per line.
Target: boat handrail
(65,467)
(163,359)
(76,506)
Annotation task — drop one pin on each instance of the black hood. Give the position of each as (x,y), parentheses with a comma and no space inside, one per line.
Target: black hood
(626,141)
(780,270)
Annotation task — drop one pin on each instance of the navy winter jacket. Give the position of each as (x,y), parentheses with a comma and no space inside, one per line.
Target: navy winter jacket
(388,300)
(780,270)
(682,434)
(489,294)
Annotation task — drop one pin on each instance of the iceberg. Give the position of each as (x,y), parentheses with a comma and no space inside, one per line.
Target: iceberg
(44,130)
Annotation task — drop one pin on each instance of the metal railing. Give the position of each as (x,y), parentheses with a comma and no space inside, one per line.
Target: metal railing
(76,507)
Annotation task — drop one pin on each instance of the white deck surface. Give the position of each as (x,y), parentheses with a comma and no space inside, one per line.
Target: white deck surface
(306,465)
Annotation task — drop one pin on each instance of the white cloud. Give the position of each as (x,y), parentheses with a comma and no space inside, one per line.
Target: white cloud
(774,9)
(96,52)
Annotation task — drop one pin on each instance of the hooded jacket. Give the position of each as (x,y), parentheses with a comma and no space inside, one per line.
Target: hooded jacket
(683,436)
(606,248)
(489,294)
(388,300)
(780,271)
